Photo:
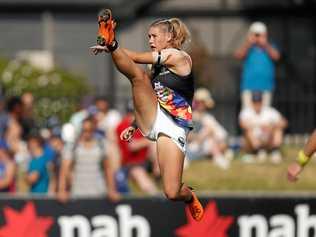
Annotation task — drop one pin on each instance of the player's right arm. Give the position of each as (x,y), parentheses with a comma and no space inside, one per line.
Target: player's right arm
(128,133)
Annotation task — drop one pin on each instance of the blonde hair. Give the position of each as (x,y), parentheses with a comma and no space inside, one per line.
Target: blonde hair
(179,31)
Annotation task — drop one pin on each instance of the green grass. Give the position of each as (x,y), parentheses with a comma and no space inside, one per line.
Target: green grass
(203,175)
(206,177)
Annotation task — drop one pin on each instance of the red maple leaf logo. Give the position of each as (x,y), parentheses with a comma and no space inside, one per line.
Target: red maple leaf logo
(25,223)
(211,225)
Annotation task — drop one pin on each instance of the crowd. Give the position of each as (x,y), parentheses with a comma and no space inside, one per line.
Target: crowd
(86,157)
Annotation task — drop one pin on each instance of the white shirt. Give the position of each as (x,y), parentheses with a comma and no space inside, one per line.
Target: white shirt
(206,120)
(109,121)
(268,116)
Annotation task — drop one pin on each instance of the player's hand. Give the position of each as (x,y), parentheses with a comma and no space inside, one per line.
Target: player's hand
(293,171)
(127,134)
(99,49)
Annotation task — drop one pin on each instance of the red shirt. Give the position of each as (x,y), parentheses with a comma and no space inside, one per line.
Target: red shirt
(130,157)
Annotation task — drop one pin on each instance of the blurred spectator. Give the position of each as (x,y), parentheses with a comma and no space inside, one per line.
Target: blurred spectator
(13,133)
(38,174)
(85,167)
(134,157)
(208,137)
(27,119)
(57,145)
(81,114)
(7,170)
(107,120)
(3,117)
(263,129)
(258,72)
(15,108)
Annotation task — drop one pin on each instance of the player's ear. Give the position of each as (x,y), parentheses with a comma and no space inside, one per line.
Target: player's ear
(169,37)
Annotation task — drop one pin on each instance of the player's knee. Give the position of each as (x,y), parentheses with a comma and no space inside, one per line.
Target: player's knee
(139,76)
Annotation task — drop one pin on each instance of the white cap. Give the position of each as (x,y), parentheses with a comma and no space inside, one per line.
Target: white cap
(258,28)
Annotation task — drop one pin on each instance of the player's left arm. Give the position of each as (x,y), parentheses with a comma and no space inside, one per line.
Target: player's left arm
(169,57)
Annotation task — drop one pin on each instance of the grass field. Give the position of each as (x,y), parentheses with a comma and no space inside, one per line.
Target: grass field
(205,176)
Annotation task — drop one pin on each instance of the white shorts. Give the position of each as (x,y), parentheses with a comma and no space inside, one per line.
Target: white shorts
(166,125)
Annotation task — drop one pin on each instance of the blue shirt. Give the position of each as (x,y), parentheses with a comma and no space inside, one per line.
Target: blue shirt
(258,71)
(49,153)
(39,164)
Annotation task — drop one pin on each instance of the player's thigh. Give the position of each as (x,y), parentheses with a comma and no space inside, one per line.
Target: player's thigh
(145,102)
(170,159)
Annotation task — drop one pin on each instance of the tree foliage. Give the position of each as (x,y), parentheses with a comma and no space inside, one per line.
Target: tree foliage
(56,92)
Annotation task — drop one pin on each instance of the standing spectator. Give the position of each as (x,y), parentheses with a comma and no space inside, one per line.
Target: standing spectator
(7,170)
(54,149)
(107,118)
(258,72)
(38,175)
(85,168)
(208,137)
(27,119)
(134,155)
(14,130)
(263,129)
(16,145)
(76,119)
(3,117)
(107,121)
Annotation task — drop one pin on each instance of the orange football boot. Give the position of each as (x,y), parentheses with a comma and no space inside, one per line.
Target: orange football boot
(195,207)
(106,33)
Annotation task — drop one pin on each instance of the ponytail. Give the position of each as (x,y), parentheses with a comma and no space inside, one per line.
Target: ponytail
(181,33)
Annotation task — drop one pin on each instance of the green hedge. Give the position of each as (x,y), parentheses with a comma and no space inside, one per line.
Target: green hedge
(56,93)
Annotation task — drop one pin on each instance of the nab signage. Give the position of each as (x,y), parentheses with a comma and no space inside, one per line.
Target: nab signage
(105,225)
(156,217)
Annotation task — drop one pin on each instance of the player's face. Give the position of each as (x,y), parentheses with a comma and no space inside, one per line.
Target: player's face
(158,39)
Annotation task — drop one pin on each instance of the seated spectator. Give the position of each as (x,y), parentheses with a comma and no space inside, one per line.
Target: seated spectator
(208,137)
(7,170)
(263,129)
(81,164)
(134,156)
(38,174)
